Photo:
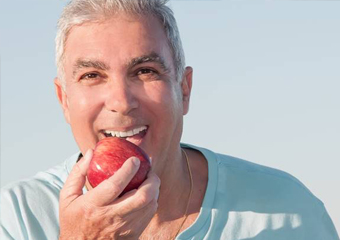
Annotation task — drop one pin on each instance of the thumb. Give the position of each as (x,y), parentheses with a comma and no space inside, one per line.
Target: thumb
(76,180)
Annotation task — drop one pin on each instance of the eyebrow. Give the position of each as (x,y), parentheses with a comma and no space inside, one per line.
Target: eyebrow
(86,63)
(152,57)
(100,65)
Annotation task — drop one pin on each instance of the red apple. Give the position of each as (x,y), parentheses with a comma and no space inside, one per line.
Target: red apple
(109,155)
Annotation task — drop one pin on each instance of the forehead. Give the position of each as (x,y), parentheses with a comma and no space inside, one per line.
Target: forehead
(117,40)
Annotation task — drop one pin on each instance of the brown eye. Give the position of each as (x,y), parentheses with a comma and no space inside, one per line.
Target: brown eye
(89,76)
(146,71)
(147,74)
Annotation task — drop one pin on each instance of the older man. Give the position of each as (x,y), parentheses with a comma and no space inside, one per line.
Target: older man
(121,73)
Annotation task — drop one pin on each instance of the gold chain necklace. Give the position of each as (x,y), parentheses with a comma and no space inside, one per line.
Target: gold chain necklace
(191,183)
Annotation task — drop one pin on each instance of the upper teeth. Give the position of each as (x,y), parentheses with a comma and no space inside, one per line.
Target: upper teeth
(126,134)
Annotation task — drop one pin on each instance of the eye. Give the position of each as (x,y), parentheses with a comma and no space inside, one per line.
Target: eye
(147,74)
(146,71)
(90,76)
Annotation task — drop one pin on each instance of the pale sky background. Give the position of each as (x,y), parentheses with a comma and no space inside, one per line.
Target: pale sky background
(266,87)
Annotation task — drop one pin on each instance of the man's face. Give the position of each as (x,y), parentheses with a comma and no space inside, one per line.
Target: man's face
(120,80)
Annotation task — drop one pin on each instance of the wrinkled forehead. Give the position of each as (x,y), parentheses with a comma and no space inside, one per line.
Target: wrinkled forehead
(118,40)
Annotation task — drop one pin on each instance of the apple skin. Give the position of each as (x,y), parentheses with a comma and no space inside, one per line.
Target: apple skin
(109,155)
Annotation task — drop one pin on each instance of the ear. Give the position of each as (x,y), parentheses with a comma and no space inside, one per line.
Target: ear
(186,88)
(62,97)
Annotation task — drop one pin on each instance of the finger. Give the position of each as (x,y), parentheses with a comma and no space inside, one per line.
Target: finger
(76,180)
(141,219)
(108,190)
(146,193)
(133,192)
(152,184)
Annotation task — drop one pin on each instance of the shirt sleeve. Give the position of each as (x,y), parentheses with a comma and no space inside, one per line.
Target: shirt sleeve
(4,234)
(11,227)
(29,211)
(328,228)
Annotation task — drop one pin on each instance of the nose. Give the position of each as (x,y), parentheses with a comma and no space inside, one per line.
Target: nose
(120,97)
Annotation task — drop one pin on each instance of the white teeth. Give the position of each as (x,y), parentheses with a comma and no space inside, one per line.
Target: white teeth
(126,134)
(135,131)
(130,133)
(123,134)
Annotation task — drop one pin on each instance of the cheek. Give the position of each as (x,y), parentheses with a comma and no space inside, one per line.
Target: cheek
(164,101)
(163,94)
(83,108)
(83,111)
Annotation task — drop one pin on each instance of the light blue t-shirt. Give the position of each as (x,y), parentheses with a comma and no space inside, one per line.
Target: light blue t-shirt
(243,201)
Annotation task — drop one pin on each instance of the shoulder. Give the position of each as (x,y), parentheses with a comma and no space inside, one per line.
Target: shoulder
(246,169)
(50,180)
(266,182)
(30,206)
(242,182)
(242,193)
(268,196)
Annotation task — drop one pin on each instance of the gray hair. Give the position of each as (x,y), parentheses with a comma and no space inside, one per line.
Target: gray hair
(78,12)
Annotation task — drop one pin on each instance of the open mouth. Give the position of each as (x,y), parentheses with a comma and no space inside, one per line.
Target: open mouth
(135,135)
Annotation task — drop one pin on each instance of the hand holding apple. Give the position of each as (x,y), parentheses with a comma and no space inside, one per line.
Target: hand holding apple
(99,213)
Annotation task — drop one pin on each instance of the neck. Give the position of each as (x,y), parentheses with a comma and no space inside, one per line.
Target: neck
(172,169)
(175,187)
(172,215)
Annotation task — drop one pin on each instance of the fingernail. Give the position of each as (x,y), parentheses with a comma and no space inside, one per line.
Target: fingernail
(136,161)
